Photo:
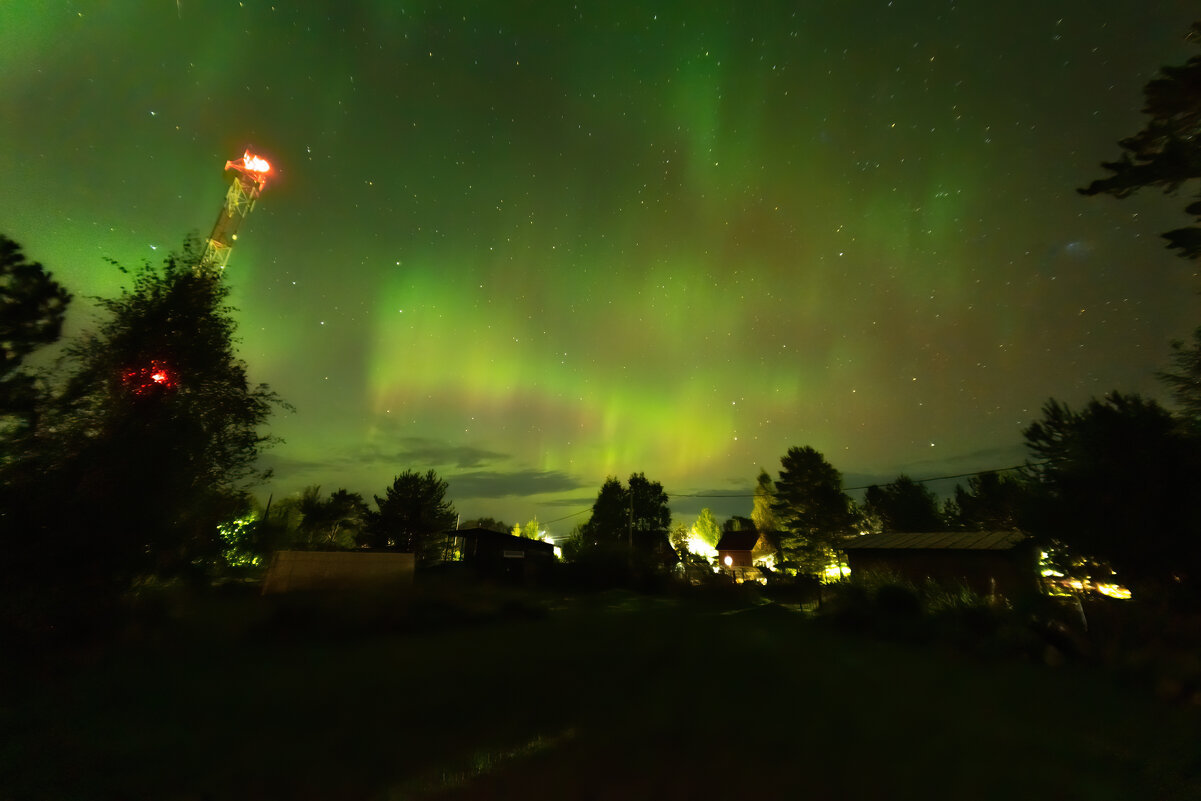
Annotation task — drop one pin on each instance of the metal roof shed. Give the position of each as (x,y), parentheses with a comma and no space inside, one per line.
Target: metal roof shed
(987,562)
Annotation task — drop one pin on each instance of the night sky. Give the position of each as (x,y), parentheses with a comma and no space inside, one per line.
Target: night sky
(533,244)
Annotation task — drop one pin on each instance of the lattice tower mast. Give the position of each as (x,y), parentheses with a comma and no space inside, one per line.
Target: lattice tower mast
(250,176)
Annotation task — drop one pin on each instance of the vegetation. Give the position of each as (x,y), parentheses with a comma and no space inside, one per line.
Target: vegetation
(130,468)
(1166,154)
(32,307)
(147,440)
(285,700)
(904,505)
(811,509)
(413,516)
(1114,483)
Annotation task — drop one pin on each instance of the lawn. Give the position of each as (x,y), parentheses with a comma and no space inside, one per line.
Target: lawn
(607,696)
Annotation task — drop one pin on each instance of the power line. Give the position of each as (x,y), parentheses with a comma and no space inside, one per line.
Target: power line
(865,486)
(564,517)
(846,489)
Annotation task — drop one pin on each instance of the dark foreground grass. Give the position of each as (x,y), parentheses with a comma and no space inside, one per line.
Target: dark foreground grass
(607,697)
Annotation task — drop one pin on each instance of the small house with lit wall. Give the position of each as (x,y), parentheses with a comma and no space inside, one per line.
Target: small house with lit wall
(741,554)
(987,562)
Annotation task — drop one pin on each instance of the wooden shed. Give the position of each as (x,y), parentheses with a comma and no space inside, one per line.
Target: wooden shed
(498,555)
(307,571)
(1004,562)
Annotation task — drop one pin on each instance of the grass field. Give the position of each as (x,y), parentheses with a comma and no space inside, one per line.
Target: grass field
(608,696)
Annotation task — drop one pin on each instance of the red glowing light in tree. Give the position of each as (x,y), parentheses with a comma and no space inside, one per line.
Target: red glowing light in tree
(153,377)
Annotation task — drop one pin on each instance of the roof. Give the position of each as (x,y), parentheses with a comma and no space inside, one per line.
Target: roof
(738,541)
(937,540)
(502,540)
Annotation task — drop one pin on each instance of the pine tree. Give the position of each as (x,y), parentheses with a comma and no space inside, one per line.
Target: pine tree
(1167,152)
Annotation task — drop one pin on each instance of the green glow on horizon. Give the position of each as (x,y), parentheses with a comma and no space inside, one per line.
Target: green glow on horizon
(591,239)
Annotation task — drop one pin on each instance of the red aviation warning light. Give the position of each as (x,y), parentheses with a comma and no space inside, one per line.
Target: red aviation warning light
(249,179)
(152,377)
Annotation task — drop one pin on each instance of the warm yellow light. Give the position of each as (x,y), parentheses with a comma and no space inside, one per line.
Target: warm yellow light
(729,560)
(698,546)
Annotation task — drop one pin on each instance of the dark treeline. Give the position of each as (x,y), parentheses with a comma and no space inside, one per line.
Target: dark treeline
(131,459)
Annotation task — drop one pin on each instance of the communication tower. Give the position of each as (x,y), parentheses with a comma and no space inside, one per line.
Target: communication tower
(250,176)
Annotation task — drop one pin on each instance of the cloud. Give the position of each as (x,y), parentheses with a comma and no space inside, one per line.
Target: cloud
(437,452)
(412,453)
(511,483)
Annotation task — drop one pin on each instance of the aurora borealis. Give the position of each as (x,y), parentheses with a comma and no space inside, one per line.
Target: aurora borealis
(531,245)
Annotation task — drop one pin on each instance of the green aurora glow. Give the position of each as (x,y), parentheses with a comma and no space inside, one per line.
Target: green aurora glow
(532,245)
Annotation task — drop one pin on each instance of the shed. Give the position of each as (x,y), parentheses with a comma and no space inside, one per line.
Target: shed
(292,571)
(496,554)
(987,562)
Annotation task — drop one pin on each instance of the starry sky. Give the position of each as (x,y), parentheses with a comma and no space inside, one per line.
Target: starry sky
(534,244)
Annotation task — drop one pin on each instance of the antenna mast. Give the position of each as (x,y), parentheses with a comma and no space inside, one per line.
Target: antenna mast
(250,177)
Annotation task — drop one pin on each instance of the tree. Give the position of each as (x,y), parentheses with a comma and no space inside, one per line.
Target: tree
(531,530)
(814,513)
(334,522)
(153,438)
(489,523)
(903,505)
(412,516)
(1116,483)
(991,502)
(738,523)
(32,308)
(1167,152)
(706,528)
(637,515)
(765,495)
(610,519)
(1184,381)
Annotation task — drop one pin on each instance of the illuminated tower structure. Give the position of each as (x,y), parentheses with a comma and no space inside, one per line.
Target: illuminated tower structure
(250,176)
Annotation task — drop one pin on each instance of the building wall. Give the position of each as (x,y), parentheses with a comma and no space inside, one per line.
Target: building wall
(1013,572)
(292,571)
(741,558)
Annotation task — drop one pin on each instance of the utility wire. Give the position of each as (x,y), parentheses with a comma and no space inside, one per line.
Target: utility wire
(865,486)
(846,489)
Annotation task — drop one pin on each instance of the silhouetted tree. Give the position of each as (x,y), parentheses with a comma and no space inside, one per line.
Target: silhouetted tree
(814,513)
(637,514)
(626,539)
(610,519)
(904,505)
(1184,382)
(32,307)
(991,502)
(336,521)
(738,523)
(1117,484)
(153,439)
(1167,152)
(413,516)
(487,522)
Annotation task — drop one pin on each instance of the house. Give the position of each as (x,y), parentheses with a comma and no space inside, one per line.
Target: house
(495,554)
(987,562)
(743,553)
